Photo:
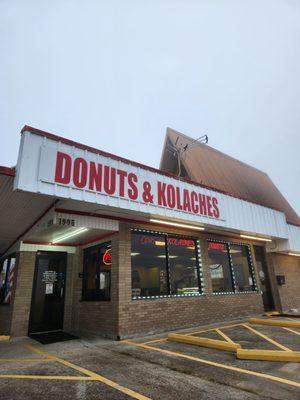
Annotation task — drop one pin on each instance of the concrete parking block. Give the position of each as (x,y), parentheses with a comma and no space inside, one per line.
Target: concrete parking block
(205,342)
(275,322)
(268,355)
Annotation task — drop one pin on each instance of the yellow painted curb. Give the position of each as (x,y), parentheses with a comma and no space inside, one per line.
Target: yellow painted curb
(271,313)
(204,342)
(3,337)
(268,355)
(275,322)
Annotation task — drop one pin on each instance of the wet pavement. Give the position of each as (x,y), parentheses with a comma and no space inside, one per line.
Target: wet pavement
(150,368)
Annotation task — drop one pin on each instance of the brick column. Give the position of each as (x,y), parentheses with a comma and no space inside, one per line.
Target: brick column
(23,293)
(124,275)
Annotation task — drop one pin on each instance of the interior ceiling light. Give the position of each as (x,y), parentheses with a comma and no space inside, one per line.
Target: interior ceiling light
(158,243)
(256,238)
(159,221)
(135,254)
(294,254)
(163,256)
(69,235)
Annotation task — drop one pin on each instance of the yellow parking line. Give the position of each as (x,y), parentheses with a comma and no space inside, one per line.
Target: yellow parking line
(96,377)
(224,336)
(24,359)
(211,329)
(266,338)
(48,377)
(291,330)
(156,341)
(215,364)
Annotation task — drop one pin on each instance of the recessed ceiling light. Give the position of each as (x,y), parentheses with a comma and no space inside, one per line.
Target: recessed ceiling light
(69,235)
(256,238)
(159,221)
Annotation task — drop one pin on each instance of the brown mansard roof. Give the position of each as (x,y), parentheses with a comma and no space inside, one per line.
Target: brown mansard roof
(210,167)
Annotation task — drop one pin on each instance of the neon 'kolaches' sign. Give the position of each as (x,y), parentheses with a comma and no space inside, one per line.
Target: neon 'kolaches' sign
(100,178)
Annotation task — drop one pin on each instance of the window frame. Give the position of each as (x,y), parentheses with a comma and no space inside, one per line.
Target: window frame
(168,271)
(86,293)
(250,263)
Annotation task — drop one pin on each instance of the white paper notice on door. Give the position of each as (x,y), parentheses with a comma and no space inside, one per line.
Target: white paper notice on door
(49,288)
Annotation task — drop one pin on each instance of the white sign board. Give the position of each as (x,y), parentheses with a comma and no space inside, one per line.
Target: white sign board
(59,169)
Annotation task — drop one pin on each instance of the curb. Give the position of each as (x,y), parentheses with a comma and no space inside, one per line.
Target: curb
(204,342)
(268,355)
(275,322)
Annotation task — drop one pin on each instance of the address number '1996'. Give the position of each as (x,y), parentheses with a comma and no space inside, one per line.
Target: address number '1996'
(66,221)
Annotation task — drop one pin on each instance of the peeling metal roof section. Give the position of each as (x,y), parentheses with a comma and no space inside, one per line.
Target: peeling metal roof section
(210,167)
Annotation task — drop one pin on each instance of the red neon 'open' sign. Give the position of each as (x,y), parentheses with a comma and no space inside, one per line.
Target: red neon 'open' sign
(107,257)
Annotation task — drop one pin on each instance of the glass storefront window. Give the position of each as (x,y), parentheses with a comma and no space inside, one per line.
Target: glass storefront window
(219,267)
(96,272)
(3,276)
(6,279)
(149,265)
(230,267)
(241,268)
(183,265)
(163,264)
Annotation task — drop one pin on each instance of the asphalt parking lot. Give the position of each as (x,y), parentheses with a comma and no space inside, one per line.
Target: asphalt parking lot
(152,367)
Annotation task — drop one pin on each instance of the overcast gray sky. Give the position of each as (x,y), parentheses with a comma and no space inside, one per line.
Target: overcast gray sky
(114,74)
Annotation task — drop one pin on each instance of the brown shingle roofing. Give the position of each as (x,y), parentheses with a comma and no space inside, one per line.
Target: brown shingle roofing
(210,167)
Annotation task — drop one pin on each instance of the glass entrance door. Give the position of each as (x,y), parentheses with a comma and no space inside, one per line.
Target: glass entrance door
(264,277)
(47,305)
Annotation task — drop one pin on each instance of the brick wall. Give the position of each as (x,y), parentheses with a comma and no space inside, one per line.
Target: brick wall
(97,317)
(20,307)
(122,316)
(290,292)
(23,291)
(145,316)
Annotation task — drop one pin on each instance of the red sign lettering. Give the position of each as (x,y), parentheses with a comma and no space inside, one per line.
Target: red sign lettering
(108,180)
(216,246)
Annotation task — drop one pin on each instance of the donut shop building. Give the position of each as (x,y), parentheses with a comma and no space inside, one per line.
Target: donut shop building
(94,243)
